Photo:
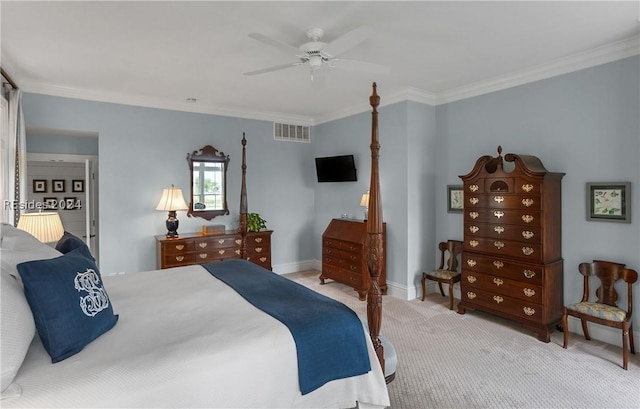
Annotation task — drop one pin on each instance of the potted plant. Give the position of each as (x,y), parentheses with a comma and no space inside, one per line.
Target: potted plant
(255,222)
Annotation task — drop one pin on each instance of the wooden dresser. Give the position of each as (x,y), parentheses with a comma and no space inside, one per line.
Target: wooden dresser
(344,256)
(511,261)
(194,248)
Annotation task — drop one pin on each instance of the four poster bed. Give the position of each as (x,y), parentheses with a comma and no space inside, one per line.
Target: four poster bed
(192,336)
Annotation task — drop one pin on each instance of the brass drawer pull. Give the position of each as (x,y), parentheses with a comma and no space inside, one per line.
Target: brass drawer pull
(529,292)
(498,299)
(353,248)
(203,245)
(471,279)
(527,187)
(471,263)
(527,234)
(529,273)
(529,311)
(353,268)
(498,264)
(527,202)
(258,249)
(498,229)
(474,229)
(202,255)
(498,282)
(474,215)
(238,251)
(471,295)
(527,251)
(263,259)
(474,200)
(527,218)
(258,239)
(474,243)
(498,214)
(179,246)
(498,199)
(179,258)
(474,188)
(238,241)
(498,244)
(221,252)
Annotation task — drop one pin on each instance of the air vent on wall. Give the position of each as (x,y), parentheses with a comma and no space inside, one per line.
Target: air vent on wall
(290,132)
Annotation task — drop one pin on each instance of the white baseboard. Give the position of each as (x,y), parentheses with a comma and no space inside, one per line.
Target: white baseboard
(297,266)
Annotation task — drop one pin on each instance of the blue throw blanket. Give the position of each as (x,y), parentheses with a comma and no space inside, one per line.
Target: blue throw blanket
(329,337)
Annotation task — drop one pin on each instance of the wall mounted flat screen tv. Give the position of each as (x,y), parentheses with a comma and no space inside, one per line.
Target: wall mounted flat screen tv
(336,169)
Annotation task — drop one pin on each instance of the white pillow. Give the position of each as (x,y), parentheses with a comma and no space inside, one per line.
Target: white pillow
(18,327)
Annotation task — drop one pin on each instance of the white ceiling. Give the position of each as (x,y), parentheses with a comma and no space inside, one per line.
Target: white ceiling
(159,53)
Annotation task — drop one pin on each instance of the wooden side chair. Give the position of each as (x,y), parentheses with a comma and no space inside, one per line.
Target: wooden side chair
(604,310)
(447,273)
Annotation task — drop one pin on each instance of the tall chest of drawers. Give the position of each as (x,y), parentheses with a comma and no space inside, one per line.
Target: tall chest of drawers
(344,257)
(512,261)
(198,249)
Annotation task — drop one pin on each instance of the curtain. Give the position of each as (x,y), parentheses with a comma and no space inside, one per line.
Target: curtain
(14,159)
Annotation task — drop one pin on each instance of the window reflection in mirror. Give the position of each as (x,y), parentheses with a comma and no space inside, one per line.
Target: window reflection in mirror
(208,185)
(208,168)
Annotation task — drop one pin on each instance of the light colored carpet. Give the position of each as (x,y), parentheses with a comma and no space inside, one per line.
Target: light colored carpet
(476,360)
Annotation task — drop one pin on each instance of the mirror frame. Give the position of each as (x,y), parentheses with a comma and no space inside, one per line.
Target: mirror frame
(208,154)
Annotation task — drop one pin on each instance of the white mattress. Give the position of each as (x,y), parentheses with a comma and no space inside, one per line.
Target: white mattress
(185,339)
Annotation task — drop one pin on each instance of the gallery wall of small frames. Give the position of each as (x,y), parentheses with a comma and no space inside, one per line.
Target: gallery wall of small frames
(44,186)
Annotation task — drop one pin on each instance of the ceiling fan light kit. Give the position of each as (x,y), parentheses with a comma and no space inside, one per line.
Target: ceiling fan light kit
(316,53)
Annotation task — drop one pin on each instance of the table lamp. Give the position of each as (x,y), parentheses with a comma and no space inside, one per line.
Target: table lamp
(44,226)
(364,202)
(171,201)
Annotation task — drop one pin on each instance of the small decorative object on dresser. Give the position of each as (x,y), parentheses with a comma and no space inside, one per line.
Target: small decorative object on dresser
(511,258)
(344,257)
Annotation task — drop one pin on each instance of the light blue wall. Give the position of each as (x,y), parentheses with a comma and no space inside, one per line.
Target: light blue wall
(143,150)
(585,124)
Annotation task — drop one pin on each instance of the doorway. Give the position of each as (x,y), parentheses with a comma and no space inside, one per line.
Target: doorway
(68,185)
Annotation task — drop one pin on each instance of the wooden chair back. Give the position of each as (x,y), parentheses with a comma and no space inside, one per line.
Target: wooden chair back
(608,273)
(454,249)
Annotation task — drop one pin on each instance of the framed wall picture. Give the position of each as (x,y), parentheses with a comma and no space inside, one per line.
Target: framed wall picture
(609,201)
(455,198)
(71,203)
(39,186)
(57,186)
(77,185)
(50,203)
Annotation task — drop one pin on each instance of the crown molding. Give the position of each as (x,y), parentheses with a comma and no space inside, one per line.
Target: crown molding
(590,58)
(579,61)
(158,103)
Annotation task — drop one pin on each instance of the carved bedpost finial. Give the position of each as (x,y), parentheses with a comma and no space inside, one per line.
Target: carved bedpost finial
(374,99)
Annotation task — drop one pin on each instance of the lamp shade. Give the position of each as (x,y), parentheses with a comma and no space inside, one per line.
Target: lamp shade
(364,202)
(172,200)
(44,226)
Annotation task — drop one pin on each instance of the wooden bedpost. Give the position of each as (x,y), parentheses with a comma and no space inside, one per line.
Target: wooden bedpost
(242,218)
(375,249)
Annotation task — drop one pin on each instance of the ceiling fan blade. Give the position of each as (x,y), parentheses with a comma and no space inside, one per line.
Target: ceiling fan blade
(275,43)
(347,41)
(275,68)
(355,65)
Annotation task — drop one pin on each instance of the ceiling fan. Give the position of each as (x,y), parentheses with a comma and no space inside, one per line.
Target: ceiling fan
(317,53)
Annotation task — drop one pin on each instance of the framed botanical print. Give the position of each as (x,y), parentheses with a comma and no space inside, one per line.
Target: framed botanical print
(455,198)
(610,202)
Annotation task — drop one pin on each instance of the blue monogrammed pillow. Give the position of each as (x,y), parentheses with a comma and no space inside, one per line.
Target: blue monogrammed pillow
(69,303)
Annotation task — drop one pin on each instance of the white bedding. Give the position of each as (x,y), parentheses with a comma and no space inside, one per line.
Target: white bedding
(185,339)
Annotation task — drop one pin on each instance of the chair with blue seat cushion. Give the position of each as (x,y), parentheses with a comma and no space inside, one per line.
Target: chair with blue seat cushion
(604,310)
(447,273)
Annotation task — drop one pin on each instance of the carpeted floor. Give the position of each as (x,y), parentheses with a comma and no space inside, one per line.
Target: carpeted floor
(476,360)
